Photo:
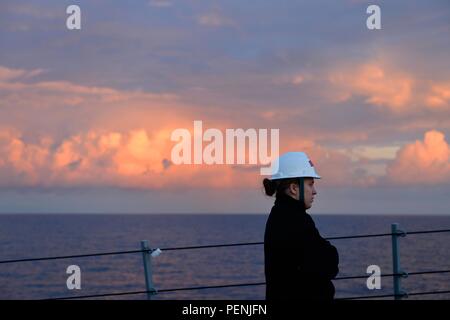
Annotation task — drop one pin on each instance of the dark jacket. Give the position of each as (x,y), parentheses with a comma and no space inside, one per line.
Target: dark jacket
(299,263)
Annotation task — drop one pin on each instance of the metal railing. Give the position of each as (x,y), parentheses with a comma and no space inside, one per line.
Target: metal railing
(148,253)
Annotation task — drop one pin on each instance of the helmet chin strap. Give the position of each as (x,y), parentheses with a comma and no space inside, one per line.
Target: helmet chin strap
(301,186)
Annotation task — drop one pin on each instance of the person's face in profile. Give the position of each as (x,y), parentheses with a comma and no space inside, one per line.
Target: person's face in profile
(310,192)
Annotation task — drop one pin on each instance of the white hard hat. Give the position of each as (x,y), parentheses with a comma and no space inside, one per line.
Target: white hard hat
(293,165)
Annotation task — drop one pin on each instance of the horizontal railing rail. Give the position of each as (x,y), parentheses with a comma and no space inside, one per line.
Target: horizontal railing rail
(202,247)
(151,291)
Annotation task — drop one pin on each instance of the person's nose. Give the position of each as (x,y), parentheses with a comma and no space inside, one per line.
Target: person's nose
(314,192)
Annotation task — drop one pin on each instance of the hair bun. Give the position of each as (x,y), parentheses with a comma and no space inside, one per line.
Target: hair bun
(269,187)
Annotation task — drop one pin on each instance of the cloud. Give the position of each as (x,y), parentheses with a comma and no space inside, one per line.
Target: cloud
(139,159)
(422,162)
(336,168)
(380,86)
(134,159)
(439,96)
(7,74)
(63,134)
(214,19)
(388,88)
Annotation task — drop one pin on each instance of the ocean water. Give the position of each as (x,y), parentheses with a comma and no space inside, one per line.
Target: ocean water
(37,235)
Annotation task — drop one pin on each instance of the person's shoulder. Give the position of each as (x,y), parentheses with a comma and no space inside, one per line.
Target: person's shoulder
(307,220)
(308,216)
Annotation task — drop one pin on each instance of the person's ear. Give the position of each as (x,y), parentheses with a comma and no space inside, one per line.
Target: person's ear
(293,188)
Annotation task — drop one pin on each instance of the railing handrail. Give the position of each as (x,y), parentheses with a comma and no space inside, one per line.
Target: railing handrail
(205,247)
(254,284)
(229,286)
(148,252)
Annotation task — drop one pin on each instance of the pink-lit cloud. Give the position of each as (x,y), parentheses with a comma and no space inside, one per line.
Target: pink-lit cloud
(439,96)
(422,162)
(8,74)
(388,88)
(137,159)
(63,134)
(336,168)
(379,86)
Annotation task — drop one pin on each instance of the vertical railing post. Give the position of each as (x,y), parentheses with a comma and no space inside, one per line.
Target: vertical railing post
(146,255)
(396,268)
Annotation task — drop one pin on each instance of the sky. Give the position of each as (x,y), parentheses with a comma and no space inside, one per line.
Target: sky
(86,116)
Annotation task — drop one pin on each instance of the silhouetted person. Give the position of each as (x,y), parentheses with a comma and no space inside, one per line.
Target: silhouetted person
(299,263)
